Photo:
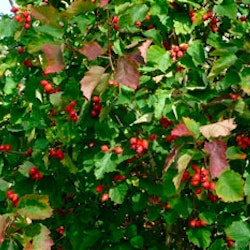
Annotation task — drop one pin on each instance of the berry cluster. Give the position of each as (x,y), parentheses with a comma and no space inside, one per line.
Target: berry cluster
(165,122)
(13,197)
(60,230)
(119,177)
(96,106)
(235,96)
(28,152)
(24,17)
(214,26)
(212,197)
(27,63)
(178,51)
(230,242)
(115,23)
(48,87)
(192,16)
(35,174)
(139,145)
(71,111)
(5,147)
(197,223)
(207,16)
(243,141)
(56,153)
(171,138)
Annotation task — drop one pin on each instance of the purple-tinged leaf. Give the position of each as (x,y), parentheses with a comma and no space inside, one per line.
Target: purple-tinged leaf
(54,58)
(181,130)
(127,72)
(217,157)
(91,80)
(91,50)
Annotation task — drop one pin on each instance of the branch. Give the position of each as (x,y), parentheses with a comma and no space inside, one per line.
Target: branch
(11,3)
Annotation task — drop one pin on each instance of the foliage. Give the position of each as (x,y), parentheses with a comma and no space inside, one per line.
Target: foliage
(125,125)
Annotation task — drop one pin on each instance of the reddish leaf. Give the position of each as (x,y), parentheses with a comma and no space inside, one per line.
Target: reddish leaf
(217,157)
(47,14)
(40,241)
(218,129)
(144,49)
(170,159)
(54,56)
(104,2)
(91,50)
(4,221)
(181,130)
(127,72)
(78,7)
(90,80)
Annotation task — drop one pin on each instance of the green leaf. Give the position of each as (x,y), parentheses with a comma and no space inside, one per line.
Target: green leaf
(239,231)
(144,118)
(104,165)
(193,3)
(139,201)
(229,186)
(35,207)
(56,99)
(247,189)
(9,86)
(155,35)
(196,51)
(159,57)
(234,153)
(69,164)
(245,80)
(7,27)
(221,64)
(25,167)
(137,242)
(192,125)
(118,193)
(182,25)
(139,12)
(199,237)
(218,244)
(228,9)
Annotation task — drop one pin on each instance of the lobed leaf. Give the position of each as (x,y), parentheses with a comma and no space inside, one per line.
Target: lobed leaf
(91,50)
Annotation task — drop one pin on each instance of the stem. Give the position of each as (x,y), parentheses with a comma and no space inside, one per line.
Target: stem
(109,44)
(11,3)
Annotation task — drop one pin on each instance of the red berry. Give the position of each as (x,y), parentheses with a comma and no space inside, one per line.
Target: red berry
(105,197)
(48,88)
(192,223)
(168,207)
(198,191)
(37,176)
(33,171)
(115,19)
(96,99)
(147,17)
(212,186)
(118,150)
(14,9)
(196,177)
(26,26)
(60,154)
(10,194)
(27,63)
(25,14)
(99,188)
(152,137)
(94,113)
(20,50)
(18,18)
(119,177)
(202,223)
(184,47)
(138,23)
(243,18)
(60,230)
(105,148)
(8,147)
(206,184)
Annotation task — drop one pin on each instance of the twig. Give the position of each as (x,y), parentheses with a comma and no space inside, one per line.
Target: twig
(11,3)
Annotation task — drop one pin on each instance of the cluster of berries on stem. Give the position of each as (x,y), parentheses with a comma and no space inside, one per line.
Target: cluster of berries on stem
(139,145)
(48,87)
(5,147)
(28,152)
(56,153)
(35,174)
(11,195)
(230,242)
(243,141)
(96,106)
(197,223)
(23,17)
(178,51)
(70,109)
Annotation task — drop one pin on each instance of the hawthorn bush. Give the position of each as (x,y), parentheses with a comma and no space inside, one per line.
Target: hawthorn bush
(125,125)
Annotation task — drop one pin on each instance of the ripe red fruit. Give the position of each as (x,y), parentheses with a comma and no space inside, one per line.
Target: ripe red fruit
(152,137)
(28,152)
(243,18)
(147,17)
(53,153)
(96,99)
(8,147)
(184,47)
(99,188)
(119,177)
(115,19)
(212,186)
(196,177)
(192,223)
(118,150)
(48,88)
(44,82)
(33,171)
(14,9)
(94,113)
(60,230)
(138,23)
(37,176)
(10,194)
(20,50)
(18,18)
(105,148)
(202,223)
(168,207)
(105,197)
(27,63)
(60,154)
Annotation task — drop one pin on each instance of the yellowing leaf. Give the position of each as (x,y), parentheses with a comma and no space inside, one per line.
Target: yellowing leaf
(144,49)
(217,157)
(54,58)
(127,72)
(91,50)
(218,129)
(91,79)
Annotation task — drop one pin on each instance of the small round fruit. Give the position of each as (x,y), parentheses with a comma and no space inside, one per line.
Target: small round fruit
(192,223)
(105,148)
(118,150)
(105,197)
(33,171)
(48,88)
(99,188)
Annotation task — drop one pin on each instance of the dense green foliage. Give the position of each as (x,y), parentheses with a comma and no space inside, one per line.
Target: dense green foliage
(125,125)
